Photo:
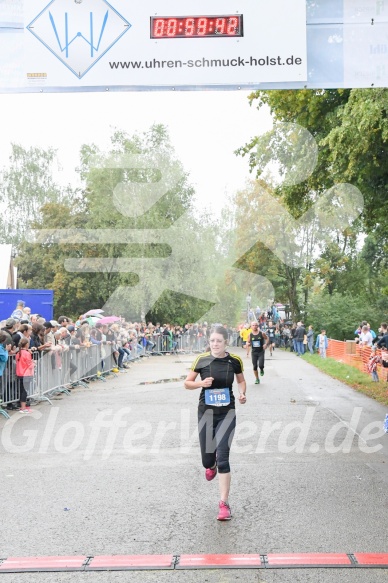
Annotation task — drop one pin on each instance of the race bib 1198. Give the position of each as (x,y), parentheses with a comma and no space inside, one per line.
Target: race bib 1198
(217,397)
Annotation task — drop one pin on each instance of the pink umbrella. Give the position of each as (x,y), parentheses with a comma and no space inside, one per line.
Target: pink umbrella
(109,320)
(93,312)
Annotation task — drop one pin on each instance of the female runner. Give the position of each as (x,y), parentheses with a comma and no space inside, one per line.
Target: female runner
(216,409)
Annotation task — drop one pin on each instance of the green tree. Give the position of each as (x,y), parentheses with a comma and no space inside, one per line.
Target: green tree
(82,264)
(112,186)
(41,265)
(272,245)
(350,129)
(357,150)
(26,184)
(339,314)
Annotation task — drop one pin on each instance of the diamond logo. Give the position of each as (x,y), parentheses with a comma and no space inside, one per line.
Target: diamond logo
(79,33)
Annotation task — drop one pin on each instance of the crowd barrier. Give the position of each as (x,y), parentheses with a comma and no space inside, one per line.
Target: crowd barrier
(56,372)
(59,371)
(161,344)
(185,343)
(350,352)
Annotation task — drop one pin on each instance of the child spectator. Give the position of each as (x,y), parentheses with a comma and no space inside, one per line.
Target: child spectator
(17,314)
(374,360)
(322,343)
(24,373)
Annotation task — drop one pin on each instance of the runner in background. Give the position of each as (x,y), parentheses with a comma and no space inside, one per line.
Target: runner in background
(278,336)
(286,334)
(258,340)
(244,337)
(271,335)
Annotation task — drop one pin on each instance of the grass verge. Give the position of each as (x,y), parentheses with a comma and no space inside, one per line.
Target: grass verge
(356,379)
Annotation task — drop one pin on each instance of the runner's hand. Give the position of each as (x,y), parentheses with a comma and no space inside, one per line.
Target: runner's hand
(242,398)
(207,382)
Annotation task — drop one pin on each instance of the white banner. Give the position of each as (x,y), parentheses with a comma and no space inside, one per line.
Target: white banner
(98,45)
(161,43)
(366,43)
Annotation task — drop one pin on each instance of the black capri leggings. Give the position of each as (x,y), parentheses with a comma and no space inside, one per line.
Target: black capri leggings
(216,431)
(24,387)
(258,359)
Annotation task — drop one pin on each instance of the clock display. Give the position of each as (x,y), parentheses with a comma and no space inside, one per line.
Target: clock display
(220,26)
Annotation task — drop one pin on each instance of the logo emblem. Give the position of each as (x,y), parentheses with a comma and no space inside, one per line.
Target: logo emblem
(79,33)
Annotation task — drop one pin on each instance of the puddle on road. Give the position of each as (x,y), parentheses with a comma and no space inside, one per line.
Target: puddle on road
(173,380)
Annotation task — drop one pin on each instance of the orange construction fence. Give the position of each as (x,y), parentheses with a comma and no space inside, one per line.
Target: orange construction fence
(350,352)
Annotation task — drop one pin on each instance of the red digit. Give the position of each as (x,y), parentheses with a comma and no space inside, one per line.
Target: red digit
(158,27)
(201,27)
(172,26)
(232,25)
(220,26)
(189,26)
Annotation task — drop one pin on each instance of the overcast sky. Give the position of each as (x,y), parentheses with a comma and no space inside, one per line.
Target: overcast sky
(205,129)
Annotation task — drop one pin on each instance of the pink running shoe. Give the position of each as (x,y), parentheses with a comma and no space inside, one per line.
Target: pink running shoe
(224,512)
(211,473)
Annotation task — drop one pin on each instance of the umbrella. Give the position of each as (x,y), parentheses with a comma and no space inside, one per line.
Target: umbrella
(109,320)
(92,320)
(94,312)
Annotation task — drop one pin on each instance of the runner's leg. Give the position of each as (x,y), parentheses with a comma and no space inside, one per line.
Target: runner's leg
(261,362)
(255,358)
(206,430)
(224,432)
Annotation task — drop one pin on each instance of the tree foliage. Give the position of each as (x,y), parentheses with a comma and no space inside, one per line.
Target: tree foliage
(339,314)
(26,184)
(83,265)
(350,129)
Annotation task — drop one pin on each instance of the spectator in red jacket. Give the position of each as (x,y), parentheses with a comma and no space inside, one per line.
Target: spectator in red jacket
(24,372)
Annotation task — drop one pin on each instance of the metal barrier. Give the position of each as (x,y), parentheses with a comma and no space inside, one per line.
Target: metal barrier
(57,371)
(355,355)
(9,391)
(163,344)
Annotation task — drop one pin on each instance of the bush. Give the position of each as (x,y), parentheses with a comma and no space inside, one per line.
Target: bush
(339,314)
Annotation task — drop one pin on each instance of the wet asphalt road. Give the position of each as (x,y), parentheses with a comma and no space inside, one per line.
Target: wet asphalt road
(309,474)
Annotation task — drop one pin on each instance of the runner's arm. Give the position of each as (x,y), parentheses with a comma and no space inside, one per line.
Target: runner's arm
(191,384)
(242,387)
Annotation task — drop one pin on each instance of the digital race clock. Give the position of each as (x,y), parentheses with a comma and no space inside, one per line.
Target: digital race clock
(220,26)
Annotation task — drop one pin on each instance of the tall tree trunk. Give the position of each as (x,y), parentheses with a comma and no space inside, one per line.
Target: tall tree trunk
(292,280)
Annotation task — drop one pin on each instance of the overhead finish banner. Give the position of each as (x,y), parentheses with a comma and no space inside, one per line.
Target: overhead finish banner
(90,44)
(128,45)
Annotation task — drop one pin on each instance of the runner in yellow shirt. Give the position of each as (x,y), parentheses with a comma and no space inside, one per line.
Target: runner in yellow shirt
(245,333)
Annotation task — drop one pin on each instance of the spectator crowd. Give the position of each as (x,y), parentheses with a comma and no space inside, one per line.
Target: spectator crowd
(29,336)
